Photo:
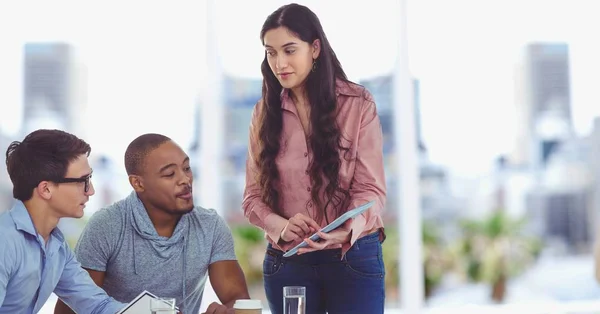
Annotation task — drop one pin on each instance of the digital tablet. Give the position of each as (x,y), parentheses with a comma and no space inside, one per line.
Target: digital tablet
(333,225)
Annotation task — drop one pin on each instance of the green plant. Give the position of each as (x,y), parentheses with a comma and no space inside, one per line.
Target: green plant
(494,249)
(390,248)
(436,257)
(250,246)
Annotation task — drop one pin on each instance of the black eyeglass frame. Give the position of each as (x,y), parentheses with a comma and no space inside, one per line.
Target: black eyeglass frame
(85,179)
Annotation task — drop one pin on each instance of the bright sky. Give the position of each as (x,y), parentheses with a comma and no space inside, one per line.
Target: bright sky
(147,59)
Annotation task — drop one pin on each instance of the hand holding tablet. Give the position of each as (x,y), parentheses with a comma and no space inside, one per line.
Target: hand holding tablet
(332,226)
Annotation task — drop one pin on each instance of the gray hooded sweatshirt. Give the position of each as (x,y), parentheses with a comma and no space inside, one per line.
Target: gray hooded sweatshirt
(121,241)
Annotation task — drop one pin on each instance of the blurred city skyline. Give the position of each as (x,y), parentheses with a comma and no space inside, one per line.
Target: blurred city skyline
(483,73)
(465,62)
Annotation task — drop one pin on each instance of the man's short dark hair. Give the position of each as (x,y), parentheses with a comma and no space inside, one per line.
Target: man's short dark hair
(139,148)
(44,155)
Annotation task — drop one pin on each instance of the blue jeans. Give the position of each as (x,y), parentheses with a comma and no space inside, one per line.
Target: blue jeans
(334,285)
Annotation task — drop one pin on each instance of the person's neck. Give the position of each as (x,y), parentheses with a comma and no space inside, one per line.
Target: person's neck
(299,97)
(44,221)
(163,222)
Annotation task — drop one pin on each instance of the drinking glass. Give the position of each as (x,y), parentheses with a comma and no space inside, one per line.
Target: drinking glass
(294,300)
(162,306)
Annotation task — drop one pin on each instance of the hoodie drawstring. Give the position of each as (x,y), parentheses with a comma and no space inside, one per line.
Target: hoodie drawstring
(184,274)
(134,255)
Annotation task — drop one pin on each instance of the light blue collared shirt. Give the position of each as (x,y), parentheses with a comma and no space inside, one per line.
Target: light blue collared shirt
(31,270)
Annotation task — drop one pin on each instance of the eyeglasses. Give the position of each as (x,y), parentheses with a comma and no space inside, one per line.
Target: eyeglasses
(85,180)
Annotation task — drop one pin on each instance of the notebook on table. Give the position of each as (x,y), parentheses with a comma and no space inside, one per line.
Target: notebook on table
(140,304)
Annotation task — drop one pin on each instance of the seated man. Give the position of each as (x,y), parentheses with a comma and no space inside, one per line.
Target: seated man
(51,179)
(156,240)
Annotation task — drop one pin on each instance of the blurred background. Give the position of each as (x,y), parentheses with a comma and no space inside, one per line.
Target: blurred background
(506,114)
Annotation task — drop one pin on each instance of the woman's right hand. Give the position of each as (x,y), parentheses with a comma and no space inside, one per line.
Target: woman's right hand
(299,227)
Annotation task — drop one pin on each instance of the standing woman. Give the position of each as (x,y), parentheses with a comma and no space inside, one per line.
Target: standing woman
(315,152)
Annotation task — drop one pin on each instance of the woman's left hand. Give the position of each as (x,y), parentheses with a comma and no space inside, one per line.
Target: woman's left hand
(340,235)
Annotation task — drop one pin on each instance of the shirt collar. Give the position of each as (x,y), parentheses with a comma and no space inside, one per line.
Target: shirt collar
(341,87)
(21,217)
(347,88)
(23,221)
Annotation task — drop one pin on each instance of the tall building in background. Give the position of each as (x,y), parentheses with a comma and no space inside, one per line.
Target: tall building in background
(240,95)
(381,89)
(53,86)
(437,202)
(560,201)
(549,75)
(521,154)
(561,206)
(194,148)
(544,103)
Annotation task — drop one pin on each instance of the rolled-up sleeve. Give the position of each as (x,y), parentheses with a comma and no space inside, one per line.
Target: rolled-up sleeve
(77,289)
(368,182)
(257,212)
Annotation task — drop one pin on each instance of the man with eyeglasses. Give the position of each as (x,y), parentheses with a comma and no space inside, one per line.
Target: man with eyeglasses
(51,176)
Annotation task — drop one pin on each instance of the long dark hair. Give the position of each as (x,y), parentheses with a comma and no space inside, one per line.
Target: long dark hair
(325,139)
